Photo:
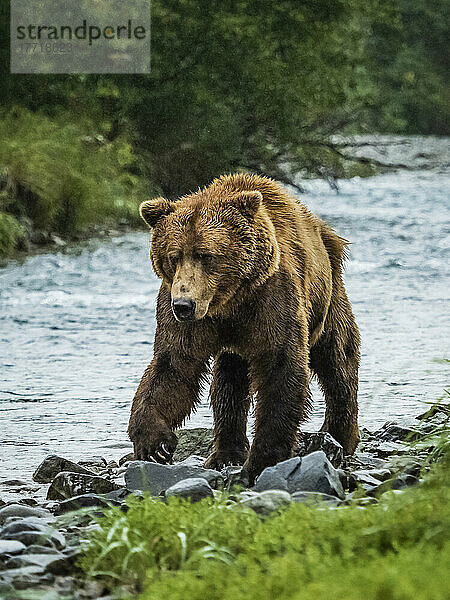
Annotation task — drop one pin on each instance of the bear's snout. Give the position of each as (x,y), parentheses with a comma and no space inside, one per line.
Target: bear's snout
(183,309)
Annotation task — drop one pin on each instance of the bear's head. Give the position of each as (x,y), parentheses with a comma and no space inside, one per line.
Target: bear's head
(211,249)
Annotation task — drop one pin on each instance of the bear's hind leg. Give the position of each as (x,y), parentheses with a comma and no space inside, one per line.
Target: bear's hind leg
(334,359)
(230,399)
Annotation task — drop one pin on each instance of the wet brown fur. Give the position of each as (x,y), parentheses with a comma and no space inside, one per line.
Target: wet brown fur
(268,274)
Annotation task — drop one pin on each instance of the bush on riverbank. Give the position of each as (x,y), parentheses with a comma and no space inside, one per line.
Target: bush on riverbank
(58,176)
(397,549)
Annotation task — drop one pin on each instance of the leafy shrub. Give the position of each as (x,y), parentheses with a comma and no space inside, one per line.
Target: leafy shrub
(398,549)
(63,176)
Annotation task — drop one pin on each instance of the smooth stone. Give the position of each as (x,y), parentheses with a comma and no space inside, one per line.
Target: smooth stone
(11,547)
(368,460)
(16,482)
(67,485)
(37,549)
(156,478)
(385,449)
(394,484)
(92,462)
(27,560)
(64,564)
(380,474)
(22,511)
(26,577)
(267,502)
(314,498)
(193,488)
(43,537)
(52,465)
(312,473)
(119,496)
(311,442)
(194,461)
(199,440)
(367,482)
(405,464)
(82,501)
(393,432)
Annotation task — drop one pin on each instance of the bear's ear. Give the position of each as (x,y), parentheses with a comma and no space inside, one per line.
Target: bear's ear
(153,210)
(248,202)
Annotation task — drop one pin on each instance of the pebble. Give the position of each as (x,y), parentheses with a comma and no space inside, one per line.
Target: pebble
(267,502)
(193,488)
(52,465)
(156,478)
(67,485)
(22,511)
(11,547)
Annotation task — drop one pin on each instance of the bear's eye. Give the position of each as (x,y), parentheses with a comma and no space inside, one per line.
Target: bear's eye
(173,259)
(205,258)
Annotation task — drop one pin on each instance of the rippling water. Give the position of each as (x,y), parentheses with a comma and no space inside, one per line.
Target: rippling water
(76,327)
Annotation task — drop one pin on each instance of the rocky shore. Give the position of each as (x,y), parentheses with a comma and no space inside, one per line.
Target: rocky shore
(41,539)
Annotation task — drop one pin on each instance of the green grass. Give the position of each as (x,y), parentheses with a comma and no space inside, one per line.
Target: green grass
(398,549)
(63,177)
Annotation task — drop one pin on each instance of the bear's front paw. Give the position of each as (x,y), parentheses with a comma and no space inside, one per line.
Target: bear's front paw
(222,458)
(152,439)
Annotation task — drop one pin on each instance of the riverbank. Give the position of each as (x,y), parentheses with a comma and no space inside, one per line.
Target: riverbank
(62,181)
(75,186)
(375,523)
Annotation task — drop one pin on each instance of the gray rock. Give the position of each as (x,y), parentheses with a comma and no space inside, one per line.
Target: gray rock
(26,577)
(409,465)
(267,502)
(67,485)
(366,460)
(232,476)
(312,473)
(64,564)
(52,465)
(364,480)
(393,432)
(156,478)
(126,458)
(194,489)
(92,462)
(311,442)
(38,560)
(82,501)
(385,449)
(380,474)
(314,498)
(194,461)
(11,547)
(33,534)
(37,549)
(22,511)
(396,483)
(16,482)
(194,441)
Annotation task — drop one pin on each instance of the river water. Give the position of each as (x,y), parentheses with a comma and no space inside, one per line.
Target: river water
(76,326)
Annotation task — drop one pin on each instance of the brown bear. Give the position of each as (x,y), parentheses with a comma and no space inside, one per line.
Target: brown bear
(253,279)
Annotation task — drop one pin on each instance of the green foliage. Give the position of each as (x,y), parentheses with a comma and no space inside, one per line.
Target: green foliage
(236,84)
(408,67)
(398,549)
(62,176)
(11,234)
